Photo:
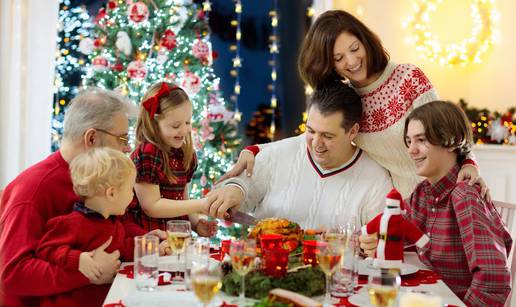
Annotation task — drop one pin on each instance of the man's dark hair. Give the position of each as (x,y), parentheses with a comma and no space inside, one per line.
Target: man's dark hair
(338,97)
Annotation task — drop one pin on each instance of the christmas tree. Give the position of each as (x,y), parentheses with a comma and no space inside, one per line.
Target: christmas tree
(139,43)
(73,26)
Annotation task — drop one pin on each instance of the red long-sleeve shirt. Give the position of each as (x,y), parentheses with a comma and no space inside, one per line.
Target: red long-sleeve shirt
(82,230)
(38,194)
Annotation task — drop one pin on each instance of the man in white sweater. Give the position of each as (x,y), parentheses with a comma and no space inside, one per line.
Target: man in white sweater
(319,179)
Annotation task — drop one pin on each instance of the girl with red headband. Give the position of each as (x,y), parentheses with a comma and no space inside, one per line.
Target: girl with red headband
(165,162)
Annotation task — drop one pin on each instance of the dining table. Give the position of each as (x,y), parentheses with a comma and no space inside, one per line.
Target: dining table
(123,292)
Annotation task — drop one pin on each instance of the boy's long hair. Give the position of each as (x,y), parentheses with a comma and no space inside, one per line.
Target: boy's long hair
(147,129)
(445,125)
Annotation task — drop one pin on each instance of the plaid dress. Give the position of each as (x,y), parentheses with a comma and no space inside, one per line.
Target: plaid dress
(469,243)
(148,160)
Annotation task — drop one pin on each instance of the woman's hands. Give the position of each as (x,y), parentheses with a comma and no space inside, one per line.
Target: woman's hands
(470,174)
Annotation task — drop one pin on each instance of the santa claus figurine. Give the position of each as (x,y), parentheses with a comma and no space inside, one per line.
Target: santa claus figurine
(393,230)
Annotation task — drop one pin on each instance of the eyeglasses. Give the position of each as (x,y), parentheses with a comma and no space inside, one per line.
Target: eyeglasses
(124,138)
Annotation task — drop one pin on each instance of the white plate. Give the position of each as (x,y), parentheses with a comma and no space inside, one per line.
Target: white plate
(165,299)
(365,267)
(361,298)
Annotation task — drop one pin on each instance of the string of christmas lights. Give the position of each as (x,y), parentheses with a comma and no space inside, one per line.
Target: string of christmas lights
(483,34)
(274,50)
(237,60)
(73,25)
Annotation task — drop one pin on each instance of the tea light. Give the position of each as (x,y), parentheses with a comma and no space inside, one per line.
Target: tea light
(224,249)
(309,252)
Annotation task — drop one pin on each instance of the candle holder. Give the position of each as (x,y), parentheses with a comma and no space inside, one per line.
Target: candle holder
(275,262)
(310,248)
(271,241)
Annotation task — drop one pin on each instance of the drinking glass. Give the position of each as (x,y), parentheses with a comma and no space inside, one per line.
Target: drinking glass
(206,282)
(383,287)
(178,232)
(197,255)
(329,254)
(146,252)
(242,253)
(345,278)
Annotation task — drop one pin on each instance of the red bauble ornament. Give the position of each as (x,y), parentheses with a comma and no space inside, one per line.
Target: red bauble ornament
(201,50)
(101,14)
(117,67)
(112,5)
(200,15)
(99,42)
(169,40)
(136,70)
(138,12)
(214,55)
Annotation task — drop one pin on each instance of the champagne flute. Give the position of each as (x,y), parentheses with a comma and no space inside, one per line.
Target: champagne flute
(383,287)
(329,254)
(242,253)
(206,282)
(178,232)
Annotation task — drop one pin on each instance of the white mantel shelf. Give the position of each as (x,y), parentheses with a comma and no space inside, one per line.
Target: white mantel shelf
(498,167)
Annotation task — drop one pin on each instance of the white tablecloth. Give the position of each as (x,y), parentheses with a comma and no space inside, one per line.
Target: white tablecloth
(124,289)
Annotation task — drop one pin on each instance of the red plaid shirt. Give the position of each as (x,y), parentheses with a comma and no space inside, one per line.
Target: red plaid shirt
(148,160)
(469,243)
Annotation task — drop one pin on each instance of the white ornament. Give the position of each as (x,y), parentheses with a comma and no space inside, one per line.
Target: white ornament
(86,46)
(138,12)
(123,43)
(99,63)
(191,83)
(178,19)
(512,139)
(162,57)
(219,113)
(136,70)
(497,131)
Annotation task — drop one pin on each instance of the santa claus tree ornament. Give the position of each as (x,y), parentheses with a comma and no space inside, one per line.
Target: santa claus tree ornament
(201,51)
(393,230)
(217,112)
(136,70)
(138,12)
(191,83)
(100,63)
(168,39)
(123,43)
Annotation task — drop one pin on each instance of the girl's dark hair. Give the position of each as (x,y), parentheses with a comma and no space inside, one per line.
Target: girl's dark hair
(316,63)
(445,125)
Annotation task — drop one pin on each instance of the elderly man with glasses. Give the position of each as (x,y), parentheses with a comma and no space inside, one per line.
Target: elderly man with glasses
(95,118)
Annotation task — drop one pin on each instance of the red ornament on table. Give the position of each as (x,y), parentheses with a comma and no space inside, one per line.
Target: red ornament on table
(393,230)
(168,39)
(136,70)
(138,12)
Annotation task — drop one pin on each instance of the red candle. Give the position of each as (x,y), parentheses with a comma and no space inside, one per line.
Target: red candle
(309,252)
(276,262)
(271,241)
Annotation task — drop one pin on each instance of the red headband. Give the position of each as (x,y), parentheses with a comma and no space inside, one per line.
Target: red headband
(152,103)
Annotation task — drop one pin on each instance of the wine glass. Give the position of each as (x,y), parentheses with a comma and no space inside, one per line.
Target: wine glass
(344,278)
(242,253)
(178,232)
(383,287)
(206,282)
(329,254)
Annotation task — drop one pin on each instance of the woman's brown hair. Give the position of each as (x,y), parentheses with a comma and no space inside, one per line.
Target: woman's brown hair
(147,129)
(316,63)
(445,125)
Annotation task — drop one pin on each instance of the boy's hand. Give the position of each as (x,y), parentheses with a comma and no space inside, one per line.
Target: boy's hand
(108,262)
(88,267)
(164,248)
(205,228)
(369,243)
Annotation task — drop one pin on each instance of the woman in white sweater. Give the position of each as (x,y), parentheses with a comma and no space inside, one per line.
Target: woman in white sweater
(340,47)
